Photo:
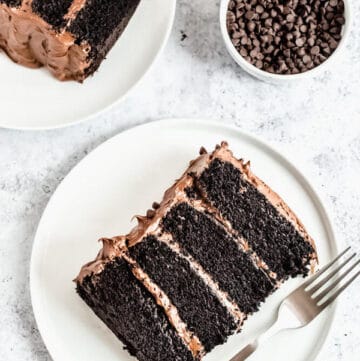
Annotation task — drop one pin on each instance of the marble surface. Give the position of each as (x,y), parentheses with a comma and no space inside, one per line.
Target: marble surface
(316,123)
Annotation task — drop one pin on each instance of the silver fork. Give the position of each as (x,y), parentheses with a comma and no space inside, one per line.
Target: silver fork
(305,303)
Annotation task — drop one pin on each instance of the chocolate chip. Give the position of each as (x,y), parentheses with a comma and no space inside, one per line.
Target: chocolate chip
(254,52)
(286,10)
(156,205)
(244,40)
(276,26)
(333,44)
(290,44)
(268,23)
(315,50)
(150,213)
(300,41)
(259,9)
(306,59)
(326,50)
(251,26)
(289,26)
(329,16)
(301,52)
(311,41)
(340,20)
(250,15)
(239,13)
(232,27)
(201,152)
(287,53)
(236,35)
(269,50)
(303,28)
(243,52)
(325,26)
(230,17)
(296,33)
(335,30)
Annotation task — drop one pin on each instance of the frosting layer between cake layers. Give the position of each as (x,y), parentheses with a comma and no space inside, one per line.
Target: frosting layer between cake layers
(209,253)
(69,37)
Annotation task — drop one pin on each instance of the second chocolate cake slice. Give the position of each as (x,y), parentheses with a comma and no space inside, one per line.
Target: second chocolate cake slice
(199,263)
(69,37)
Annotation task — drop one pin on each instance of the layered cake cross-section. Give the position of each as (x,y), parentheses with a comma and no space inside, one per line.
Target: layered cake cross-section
(199,263)
(69,37)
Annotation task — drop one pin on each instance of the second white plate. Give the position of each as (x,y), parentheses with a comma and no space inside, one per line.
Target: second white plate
(33,99)
(122,178)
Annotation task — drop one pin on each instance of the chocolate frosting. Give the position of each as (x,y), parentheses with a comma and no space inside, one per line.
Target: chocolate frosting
(149,224)
(30,41)
(75,7)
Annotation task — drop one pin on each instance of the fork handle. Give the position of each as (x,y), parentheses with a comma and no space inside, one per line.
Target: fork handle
(285,319)
(246,351)
(251,347)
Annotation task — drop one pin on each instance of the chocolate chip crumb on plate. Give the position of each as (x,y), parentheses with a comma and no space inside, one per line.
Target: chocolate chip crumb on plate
(284,39)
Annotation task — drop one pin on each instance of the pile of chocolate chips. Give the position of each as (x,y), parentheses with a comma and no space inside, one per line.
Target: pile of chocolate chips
(285,36)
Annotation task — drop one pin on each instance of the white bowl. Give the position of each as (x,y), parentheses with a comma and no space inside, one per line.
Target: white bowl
(276,78)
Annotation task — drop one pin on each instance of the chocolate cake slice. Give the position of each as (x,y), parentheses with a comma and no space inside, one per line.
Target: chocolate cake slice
(133,314)
(199,263)
(70,37)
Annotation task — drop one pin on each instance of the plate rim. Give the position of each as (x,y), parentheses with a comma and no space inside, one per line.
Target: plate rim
(210,123)
(117,101)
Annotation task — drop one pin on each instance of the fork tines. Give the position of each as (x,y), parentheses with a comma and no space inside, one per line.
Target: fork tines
(329,294)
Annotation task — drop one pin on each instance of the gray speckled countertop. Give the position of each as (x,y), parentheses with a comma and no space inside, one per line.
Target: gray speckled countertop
(316,123)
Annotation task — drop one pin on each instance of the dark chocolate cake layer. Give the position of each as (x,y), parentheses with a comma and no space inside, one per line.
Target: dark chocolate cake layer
(11,2)
(194,300)
(99,24)
(52,11)
(219,254)
(132,314)
(70,37)
(269,234)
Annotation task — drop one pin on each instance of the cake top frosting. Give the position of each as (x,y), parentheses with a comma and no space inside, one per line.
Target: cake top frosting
(149,224)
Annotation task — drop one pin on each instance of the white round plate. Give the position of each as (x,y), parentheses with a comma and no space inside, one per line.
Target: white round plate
(33,99)
(122,178)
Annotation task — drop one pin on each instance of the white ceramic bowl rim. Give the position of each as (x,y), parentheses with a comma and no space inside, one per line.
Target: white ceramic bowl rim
(264,75)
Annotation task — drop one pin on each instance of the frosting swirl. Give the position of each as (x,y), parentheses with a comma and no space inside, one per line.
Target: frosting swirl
(30,41)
